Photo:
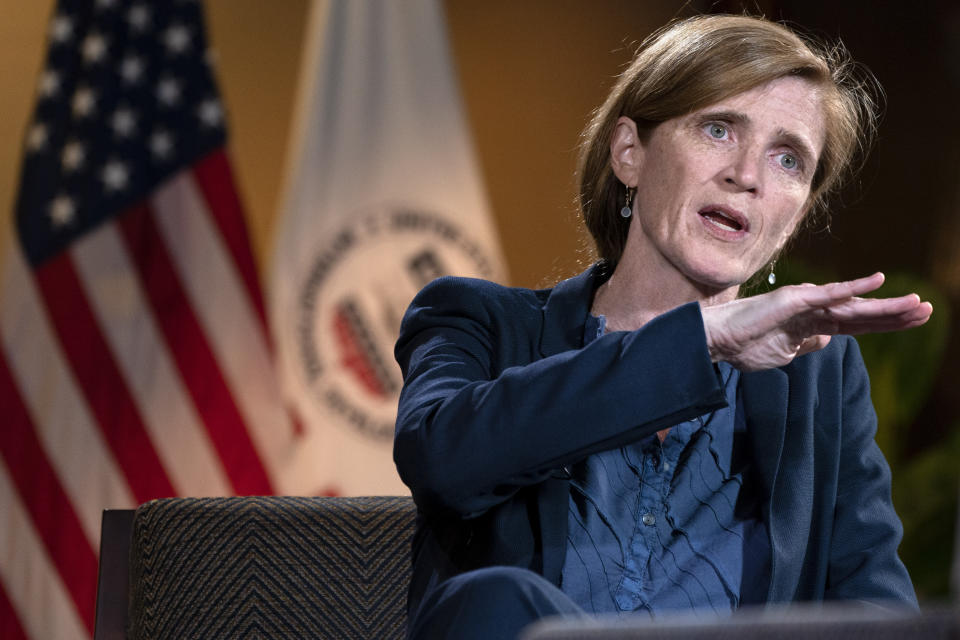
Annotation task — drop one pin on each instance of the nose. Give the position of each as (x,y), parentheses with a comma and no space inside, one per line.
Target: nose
(744,172)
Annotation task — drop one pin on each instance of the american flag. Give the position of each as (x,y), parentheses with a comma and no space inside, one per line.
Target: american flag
(134,360)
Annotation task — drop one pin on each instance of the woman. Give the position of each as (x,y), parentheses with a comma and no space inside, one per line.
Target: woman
(638,438)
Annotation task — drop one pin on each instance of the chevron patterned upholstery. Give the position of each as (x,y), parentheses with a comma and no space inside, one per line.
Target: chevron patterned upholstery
(273,567)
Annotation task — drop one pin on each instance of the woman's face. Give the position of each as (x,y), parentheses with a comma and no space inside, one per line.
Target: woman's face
(720,190)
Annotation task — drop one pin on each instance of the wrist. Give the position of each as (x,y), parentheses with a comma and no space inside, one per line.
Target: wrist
(709,332)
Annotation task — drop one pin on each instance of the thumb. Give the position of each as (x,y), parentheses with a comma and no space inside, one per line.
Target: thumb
(813,343)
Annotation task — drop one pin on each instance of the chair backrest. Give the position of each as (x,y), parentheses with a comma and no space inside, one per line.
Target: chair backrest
(274,567)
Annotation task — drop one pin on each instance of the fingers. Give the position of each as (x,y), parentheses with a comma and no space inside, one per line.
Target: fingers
(859,286)
(854,308)
(802,318)
(924,311)
(907,320)
(829,294)
(860,315)
(838,307)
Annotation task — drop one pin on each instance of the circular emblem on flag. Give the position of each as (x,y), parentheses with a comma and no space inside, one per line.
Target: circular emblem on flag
(353,299)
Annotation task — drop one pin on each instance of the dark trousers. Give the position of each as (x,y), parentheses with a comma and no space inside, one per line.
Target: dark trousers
(488,604)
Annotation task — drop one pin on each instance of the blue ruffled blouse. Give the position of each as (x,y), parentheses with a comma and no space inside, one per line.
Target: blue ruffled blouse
(669,526)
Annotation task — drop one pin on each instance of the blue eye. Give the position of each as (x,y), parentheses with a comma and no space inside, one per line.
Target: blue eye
(789,161)
(717,131)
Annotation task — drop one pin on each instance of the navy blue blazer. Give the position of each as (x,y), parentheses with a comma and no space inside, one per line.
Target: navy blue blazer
(500,395)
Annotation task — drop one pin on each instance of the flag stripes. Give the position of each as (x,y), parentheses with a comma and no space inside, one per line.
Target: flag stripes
(60,415)
(134,354)
(96,372)
(204,264)
(79,292)
(120,299)
(48,506)
(158,374)
(195,361)
(10,628)
(215,181)
(44,606)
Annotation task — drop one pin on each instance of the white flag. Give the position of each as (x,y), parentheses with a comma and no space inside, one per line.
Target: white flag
(383,195)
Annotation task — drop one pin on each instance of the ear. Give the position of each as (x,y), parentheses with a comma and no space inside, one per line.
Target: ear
(626,151)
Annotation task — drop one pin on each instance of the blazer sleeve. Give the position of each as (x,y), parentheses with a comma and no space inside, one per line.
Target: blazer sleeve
(864,564)
(482,414)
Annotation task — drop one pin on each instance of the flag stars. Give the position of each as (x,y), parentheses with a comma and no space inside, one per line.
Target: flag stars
(176,39)
(94,48)
(131,69)
(49,83)
(62,211)
(61,29)
(115,176)
(168,92)
(123,122)
(138,17)
(37,137)
(72,156)
(161,145)
(84,100)
(210,113)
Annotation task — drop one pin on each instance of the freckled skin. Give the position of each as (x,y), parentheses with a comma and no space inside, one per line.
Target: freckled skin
(758,163)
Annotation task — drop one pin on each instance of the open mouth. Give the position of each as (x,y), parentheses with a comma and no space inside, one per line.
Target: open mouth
(724,218)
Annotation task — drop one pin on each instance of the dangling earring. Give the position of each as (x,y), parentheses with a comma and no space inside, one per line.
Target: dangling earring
(772,278)
(627,211)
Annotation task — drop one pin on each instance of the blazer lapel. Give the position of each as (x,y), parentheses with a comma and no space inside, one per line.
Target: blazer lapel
(552,506)
(566,309)
(783,455)
(564,314)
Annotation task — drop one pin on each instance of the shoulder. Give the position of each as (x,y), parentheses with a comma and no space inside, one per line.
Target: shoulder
(481,290)
(466,309)
(479,299)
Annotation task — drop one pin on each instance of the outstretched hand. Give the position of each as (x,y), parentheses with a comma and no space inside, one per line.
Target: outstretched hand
(770,330)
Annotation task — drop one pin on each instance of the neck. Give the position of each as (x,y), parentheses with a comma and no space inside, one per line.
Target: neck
(643,287)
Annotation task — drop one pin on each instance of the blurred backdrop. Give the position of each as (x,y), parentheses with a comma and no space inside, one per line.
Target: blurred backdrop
(530,72)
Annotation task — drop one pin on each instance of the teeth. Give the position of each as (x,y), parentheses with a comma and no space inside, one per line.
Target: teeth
(720,220)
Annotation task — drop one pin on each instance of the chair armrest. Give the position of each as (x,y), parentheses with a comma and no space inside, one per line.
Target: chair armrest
(114,577)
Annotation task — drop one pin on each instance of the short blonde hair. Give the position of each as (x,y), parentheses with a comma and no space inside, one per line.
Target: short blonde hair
(693,63)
